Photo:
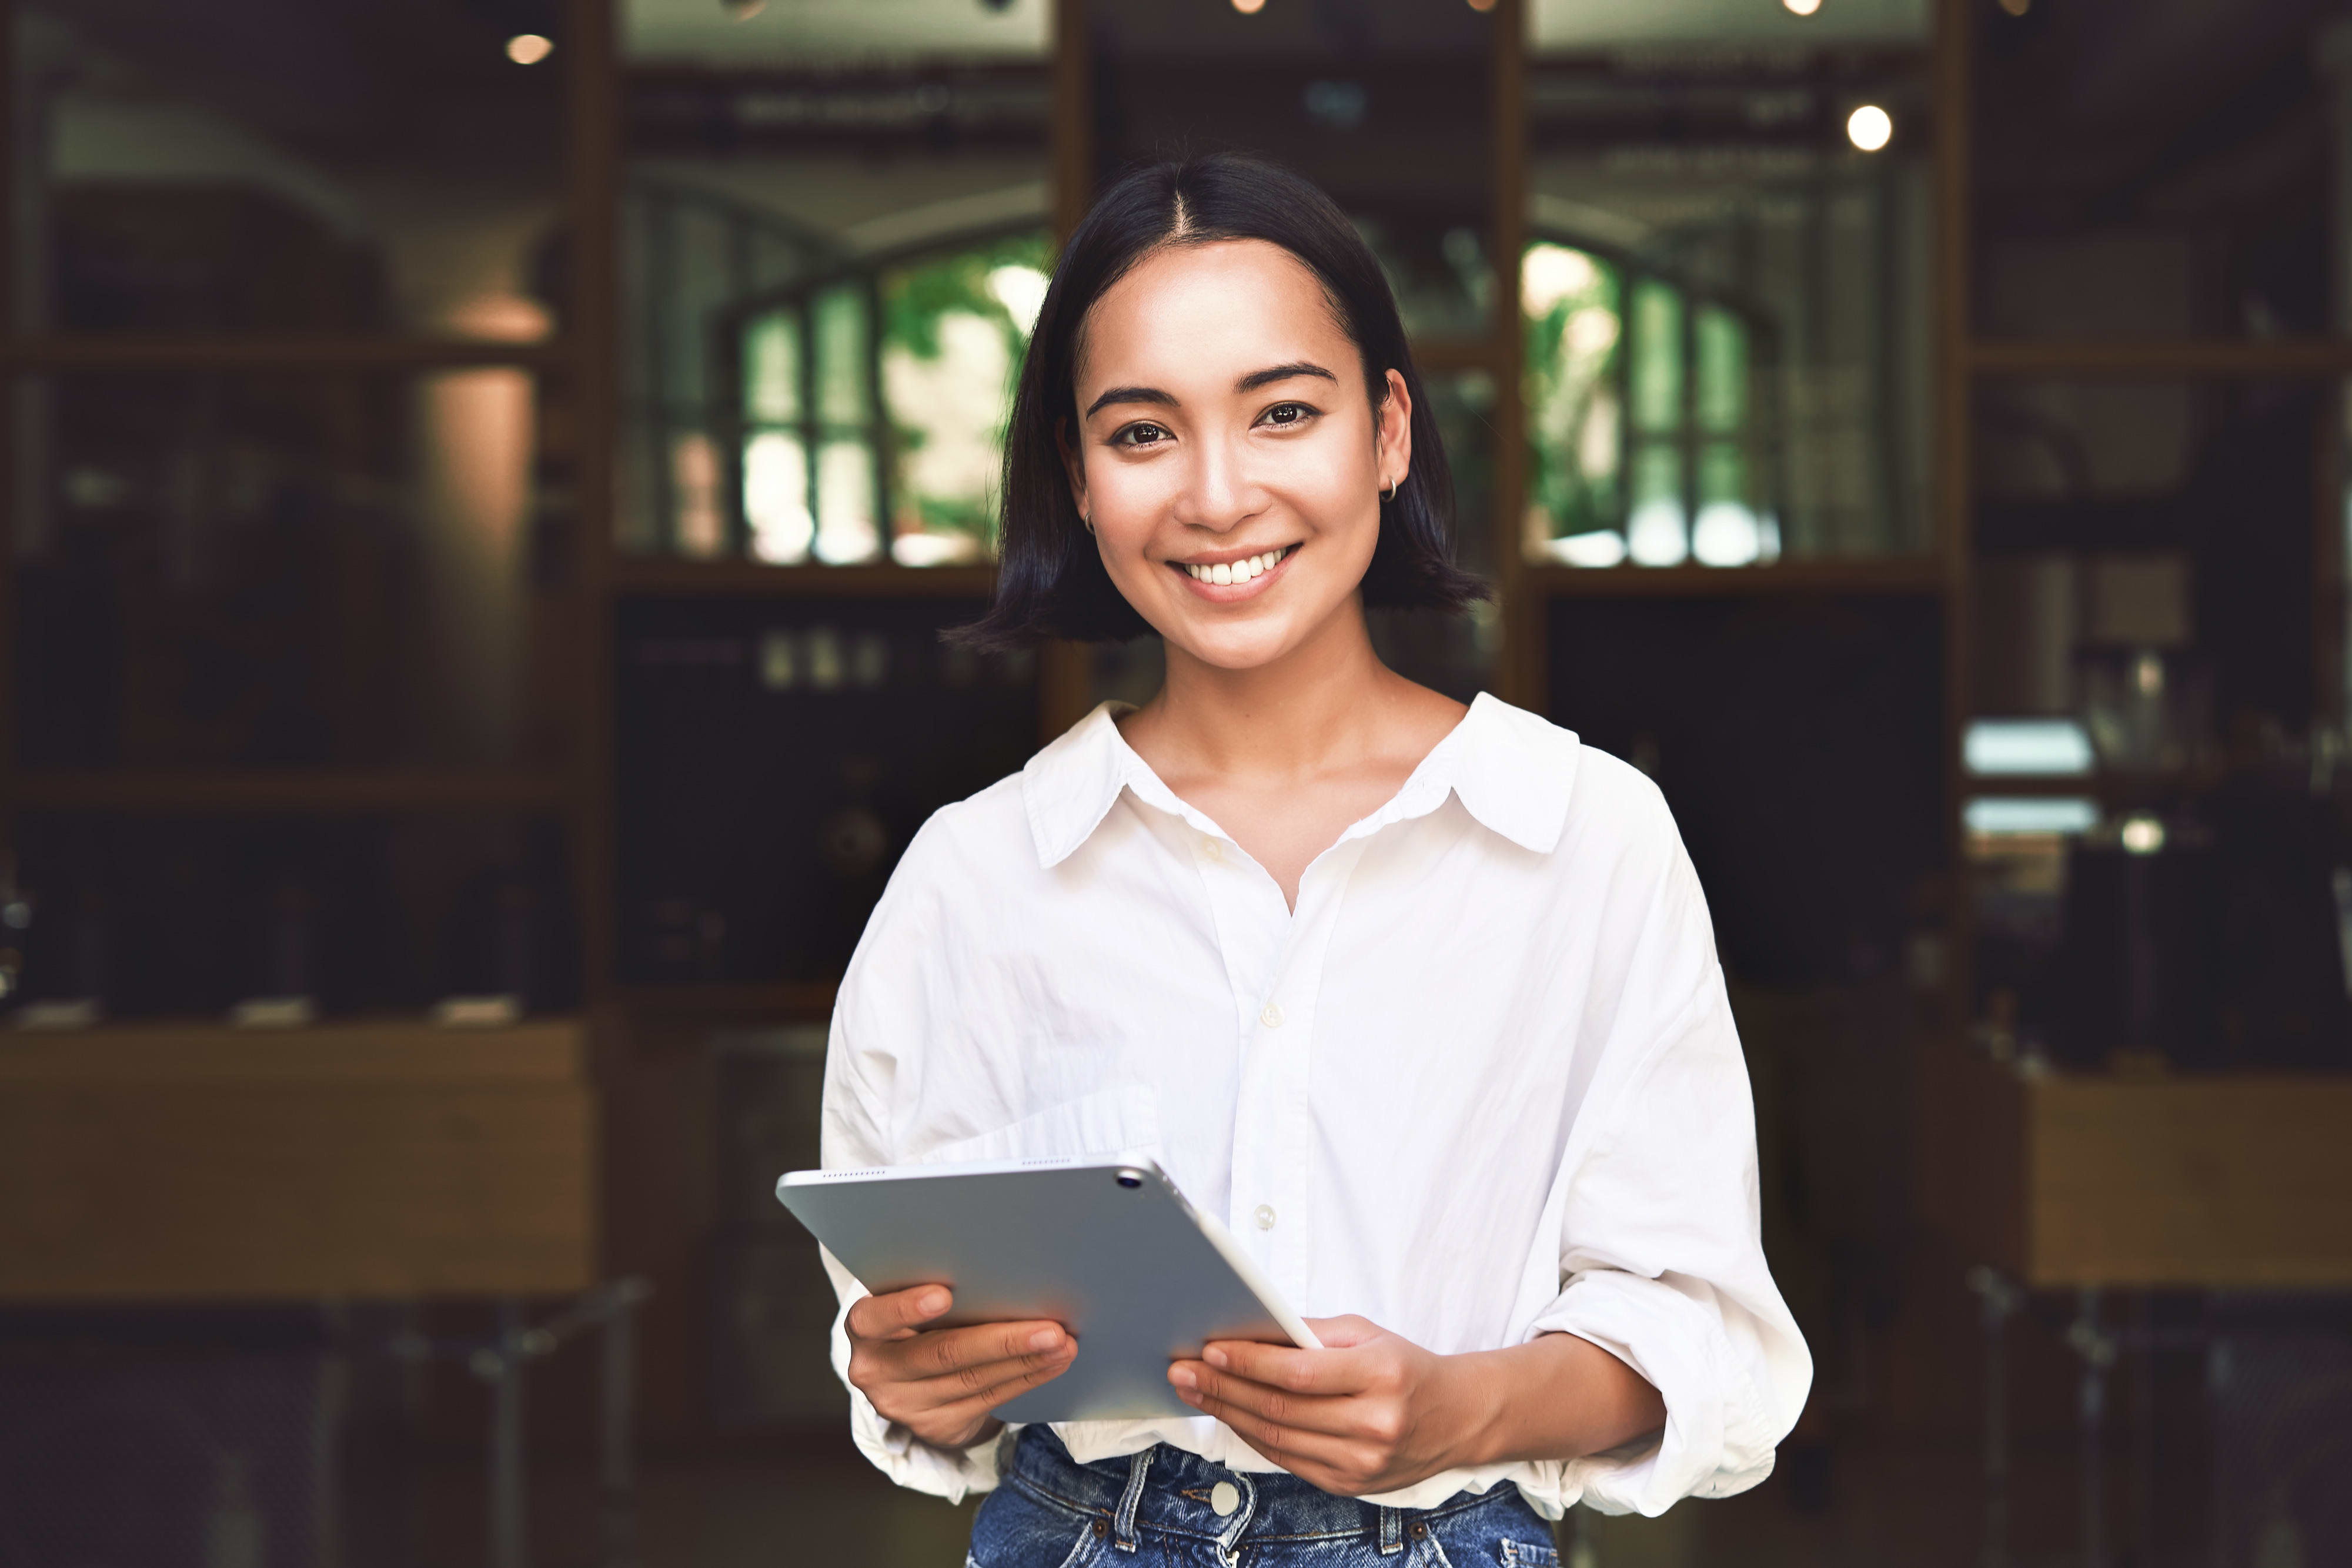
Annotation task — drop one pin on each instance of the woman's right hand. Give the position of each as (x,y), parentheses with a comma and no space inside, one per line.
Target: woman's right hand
(941,1383)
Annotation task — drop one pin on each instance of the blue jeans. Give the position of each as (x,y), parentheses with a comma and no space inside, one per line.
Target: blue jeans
(1157,1509)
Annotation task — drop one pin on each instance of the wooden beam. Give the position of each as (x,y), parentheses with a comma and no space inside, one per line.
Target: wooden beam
(646,575)
(1896,575)
(195,353)
(164,790)
(2284,358)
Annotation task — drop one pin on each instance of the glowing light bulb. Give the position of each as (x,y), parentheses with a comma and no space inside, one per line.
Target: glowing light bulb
(2017,7)
(1869,128)
(1802,8)
(1482,4)
(528,49)
(1249,7)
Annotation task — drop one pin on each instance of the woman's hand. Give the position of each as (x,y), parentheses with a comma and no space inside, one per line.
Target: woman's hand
(941,1383)
(1368,1413)
(1373,1412)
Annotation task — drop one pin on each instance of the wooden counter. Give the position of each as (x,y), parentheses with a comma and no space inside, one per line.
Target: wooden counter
(392,1160)
(2190,1182)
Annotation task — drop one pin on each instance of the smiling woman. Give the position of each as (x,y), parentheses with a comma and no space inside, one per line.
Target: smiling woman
(1420,1000)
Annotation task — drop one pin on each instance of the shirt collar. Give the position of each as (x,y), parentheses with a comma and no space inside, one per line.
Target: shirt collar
(1511,770)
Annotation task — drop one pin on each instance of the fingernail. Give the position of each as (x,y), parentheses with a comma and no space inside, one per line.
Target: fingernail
(1182,1378)
(1214,1357)
(1045,1339)
(937,1301)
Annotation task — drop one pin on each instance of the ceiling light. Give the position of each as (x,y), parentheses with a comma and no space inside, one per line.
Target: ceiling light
(1869,128)
(1249,7)
(528,49)
(2017,7)
(742,10)
(1802,8)
(1482,4)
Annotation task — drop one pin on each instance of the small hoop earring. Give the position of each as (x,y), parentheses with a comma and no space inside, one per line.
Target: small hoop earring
(1085,522)
(1390,494)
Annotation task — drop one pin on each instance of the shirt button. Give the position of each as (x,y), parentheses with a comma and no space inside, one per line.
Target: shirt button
(1264,1216)
(1209,847)
(1224,1497)
(1272,1017)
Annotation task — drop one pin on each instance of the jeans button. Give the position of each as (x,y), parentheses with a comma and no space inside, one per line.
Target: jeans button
(1224,1497)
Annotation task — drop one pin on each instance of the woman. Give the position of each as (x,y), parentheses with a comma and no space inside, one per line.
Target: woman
(1421,999)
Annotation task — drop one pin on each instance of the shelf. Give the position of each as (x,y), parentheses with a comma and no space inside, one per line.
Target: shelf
(747,579)
(193,353)
(1893,575)
(392,1050)
(297,791)
(795,1000)
(2283,357)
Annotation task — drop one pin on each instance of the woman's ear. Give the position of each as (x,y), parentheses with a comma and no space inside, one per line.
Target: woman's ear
(1392,432)
(1075,467)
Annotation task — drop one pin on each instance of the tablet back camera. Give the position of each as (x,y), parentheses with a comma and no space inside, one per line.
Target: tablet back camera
(1131,1178)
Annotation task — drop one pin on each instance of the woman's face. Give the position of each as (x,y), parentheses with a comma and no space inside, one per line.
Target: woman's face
(1227,456)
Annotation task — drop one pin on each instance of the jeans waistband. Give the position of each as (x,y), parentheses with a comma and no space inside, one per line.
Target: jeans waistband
(1178,1492)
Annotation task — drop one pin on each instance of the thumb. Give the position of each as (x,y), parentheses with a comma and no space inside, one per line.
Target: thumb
(1342,1332)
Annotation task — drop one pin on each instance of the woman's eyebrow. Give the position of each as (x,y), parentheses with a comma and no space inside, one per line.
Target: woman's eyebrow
(1131,394)
(1267,377)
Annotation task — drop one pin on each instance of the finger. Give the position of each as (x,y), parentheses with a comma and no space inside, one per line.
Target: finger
(1016,1381)
(1309,1412)
(961,1353)
(1311,1453)
(898,1312)
(1340,1332)
(1286,1366)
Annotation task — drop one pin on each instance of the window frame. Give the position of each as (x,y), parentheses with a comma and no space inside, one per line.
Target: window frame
(1759,425)
(733,421)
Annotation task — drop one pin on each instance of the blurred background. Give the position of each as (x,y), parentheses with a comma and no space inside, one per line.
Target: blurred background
(483,479)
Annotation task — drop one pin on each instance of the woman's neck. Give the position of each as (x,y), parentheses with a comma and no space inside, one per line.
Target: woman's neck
(1329,701)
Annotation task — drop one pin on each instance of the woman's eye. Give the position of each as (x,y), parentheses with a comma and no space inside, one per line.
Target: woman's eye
(1287,414)
(1139,435)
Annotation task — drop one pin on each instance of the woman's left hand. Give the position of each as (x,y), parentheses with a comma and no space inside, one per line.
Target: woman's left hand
(1370,1412)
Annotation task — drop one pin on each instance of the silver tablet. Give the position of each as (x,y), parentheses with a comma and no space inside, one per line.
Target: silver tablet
(1106,1247)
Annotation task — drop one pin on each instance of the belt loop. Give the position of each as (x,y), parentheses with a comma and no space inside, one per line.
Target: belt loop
(1138,1466)
(1392,1532)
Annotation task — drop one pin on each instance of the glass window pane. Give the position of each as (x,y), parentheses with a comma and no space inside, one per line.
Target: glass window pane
(698,518)
(772,368)
(254,570)
(1721,348)
(839,315)
(1569,300)
(847,529)
(1657,347)
(1657,530)
(953,330)
(372,166)
(1732,529)
(776,497)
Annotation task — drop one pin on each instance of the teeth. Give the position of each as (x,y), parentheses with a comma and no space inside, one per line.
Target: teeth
(1226,573)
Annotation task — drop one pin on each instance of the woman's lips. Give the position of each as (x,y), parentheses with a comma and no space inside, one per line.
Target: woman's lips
(1263,567)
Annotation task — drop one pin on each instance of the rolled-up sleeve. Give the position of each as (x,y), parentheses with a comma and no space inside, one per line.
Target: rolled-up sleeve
(878,1017)
(1660,1250)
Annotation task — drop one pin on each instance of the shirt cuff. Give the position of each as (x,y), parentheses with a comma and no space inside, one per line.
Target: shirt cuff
(1717,1439)
(951,1473)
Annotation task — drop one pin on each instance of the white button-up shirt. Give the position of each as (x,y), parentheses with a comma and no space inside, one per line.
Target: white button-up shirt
(1482,1084)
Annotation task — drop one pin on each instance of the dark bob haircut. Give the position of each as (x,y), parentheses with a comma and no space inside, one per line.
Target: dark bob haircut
(1051,581)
